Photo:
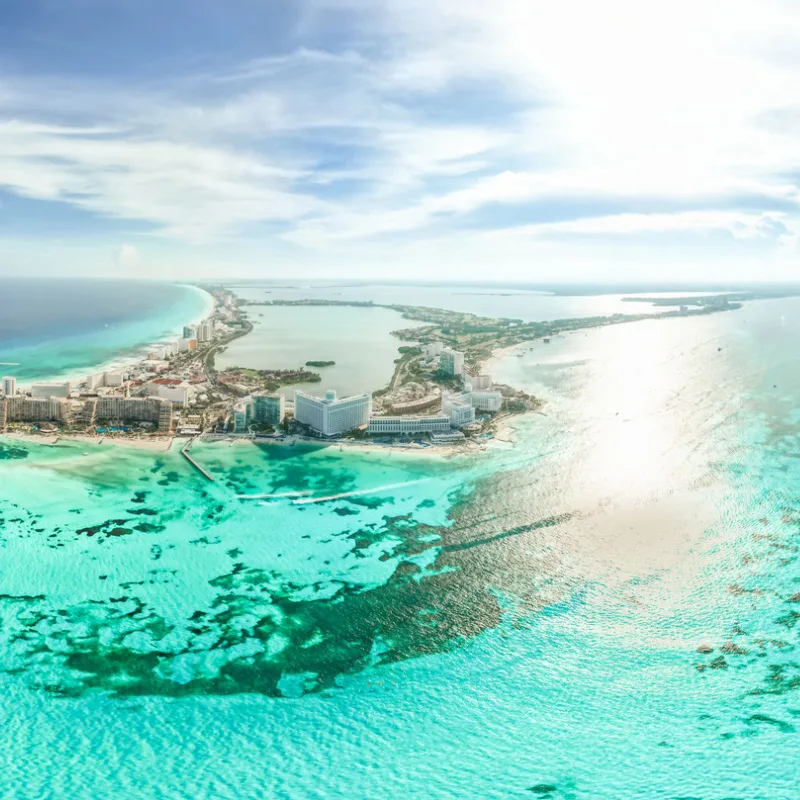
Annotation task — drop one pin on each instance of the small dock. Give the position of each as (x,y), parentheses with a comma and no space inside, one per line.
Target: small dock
(187,456)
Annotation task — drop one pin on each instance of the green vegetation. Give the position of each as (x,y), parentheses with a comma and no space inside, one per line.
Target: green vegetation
(320,363)
(267,380)
(479,336)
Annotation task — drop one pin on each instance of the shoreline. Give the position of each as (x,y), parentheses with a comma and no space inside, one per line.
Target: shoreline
(138,352)
(167,443)
(160,444)
(436,450)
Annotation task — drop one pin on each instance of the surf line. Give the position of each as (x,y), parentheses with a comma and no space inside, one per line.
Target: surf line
(358,492)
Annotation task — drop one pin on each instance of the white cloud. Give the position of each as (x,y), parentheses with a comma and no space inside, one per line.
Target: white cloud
(738,224)
(127,257)
(690,106)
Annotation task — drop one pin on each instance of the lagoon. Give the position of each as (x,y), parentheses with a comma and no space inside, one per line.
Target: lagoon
(359,340)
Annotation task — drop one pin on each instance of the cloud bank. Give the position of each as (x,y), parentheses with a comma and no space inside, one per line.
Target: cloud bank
(442,137)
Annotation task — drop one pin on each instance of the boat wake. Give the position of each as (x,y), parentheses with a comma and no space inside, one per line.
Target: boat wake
(356,493)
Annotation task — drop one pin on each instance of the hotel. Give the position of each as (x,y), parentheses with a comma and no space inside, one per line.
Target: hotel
(50,390)
(205,332)
(241,417)
(388,425)
(458,408)
(268,409)
(451,362)
(135,409)
(479,382)
(486,401)
(331,416)
(172,389)
(9,386)
(434,349)
(20,408)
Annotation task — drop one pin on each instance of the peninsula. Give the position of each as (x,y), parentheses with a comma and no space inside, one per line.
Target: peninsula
(439,387)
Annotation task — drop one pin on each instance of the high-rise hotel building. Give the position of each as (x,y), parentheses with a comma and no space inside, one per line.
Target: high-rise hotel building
(268,409)
(451,362)
(135,409)
(330,415)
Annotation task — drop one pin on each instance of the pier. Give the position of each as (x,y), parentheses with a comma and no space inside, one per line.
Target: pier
(185,454)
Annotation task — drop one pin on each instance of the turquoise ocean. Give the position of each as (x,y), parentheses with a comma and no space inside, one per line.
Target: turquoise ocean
(65,328)
(606,607)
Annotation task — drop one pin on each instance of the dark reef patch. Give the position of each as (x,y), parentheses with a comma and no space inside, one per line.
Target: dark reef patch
(10,451)
(345,512)
(266,627)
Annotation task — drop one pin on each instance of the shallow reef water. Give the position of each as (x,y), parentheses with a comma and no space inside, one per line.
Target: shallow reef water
(607,608)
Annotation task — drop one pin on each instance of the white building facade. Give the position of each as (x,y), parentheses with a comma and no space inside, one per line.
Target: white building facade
(177,393)
(434,349)
(486,401)
(9,386)
(480,382)
(113,379)
(389,425)
(50,390)
(241,416)
(458,408)
(331,416)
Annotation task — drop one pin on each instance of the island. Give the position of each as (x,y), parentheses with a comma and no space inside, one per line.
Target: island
(320,363)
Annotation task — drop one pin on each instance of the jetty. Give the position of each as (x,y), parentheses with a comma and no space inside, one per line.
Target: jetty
(185,453)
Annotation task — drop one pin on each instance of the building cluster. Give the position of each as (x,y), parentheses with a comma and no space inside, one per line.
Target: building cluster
(331,415)
(108,409)
(161,387)
(148,392)
(450,362)
(98,400)
(193,335)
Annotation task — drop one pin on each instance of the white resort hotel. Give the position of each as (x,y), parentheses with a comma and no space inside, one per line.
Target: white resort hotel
(330,415)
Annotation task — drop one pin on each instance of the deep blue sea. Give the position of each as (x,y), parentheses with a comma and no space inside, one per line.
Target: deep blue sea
(606,608)
(58,327)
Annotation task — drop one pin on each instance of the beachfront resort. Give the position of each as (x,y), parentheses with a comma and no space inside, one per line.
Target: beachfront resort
(177,390)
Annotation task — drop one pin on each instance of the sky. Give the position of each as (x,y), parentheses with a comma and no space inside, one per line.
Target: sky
(401,139)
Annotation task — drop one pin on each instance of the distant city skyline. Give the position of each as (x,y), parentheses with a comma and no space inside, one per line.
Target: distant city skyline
(439,140)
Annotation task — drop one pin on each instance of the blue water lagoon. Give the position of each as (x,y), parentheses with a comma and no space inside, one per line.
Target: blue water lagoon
(64,328)
(606,607)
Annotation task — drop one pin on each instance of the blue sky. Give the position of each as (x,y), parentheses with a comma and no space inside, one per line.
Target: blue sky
(516,139)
